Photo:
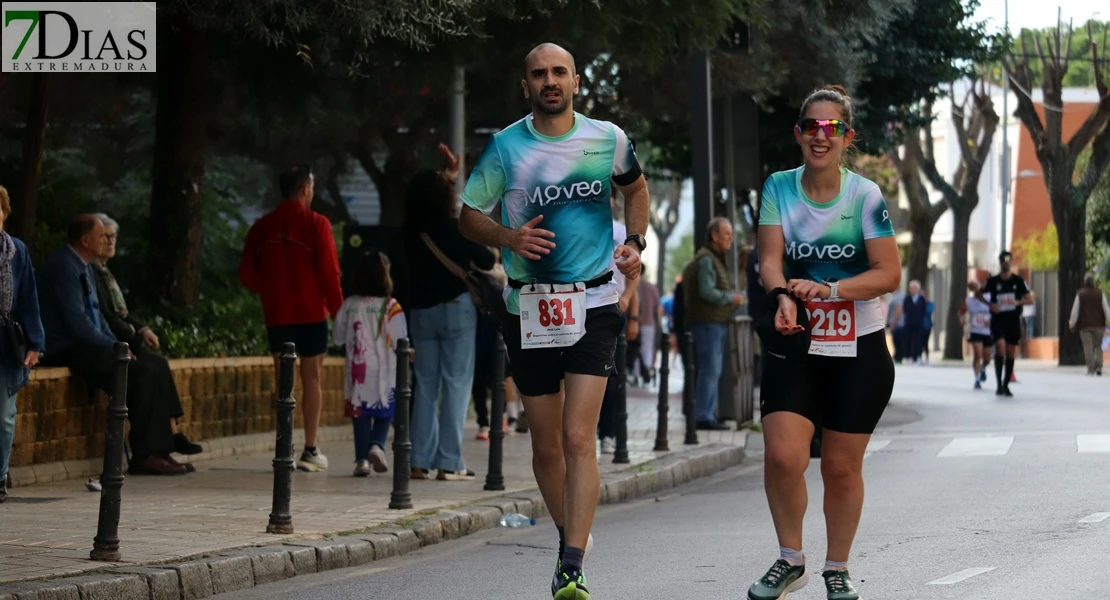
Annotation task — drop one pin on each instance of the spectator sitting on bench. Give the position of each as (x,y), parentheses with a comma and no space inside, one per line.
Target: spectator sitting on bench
(78,337)
(138,336)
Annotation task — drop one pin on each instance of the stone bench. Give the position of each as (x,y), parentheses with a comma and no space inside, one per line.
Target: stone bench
(60,420)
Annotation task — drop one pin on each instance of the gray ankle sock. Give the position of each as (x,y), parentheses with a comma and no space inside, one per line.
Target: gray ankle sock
(835,566)
(795,557)
(572,558)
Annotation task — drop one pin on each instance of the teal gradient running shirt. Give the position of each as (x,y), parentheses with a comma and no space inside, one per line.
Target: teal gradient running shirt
(567,179)
(825,242)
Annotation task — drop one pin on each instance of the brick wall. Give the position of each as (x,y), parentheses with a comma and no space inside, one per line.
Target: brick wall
(59,420)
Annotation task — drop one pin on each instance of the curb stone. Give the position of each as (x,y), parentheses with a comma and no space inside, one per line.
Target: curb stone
(236,570)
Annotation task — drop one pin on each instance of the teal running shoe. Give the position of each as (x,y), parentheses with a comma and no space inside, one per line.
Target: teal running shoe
(839,585)
(781,579)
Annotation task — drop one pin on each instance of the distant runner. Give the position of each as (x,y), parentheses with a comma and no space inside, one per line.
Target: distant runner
(976,312)
(1008,293)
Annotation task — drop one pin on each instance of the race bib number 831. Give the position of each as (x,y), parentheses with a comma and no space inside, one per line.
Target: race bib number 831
(832,327)
(556,312)
(554,316)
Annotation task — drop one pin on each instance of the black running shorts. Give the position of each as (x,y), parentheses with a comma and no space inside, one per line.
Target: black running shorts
(311,339)
(980,338)
(841,394)
(1006,329)
(539,371)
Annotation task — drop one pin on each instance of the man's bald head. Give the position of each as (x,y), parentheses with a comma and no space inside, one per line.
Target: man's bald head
(87,235)
(80,226)
(550,81)
(549,51)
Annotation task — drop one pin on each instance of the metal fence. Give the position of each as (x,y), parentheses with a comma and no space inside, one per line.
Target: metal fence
(1044,284)
(1046,288)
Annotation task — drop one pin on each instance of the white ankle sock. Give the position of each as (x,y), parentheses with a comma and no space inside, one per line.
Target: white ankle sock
(835,566)
(794,557)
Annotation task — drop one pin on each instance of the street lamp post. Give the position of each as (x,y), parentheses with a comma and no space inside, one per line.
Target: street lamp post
(1005,137)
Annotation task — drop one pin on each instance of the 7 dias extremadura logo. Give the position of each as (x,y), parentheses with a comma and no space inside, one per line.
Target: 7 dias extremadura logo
(79,37)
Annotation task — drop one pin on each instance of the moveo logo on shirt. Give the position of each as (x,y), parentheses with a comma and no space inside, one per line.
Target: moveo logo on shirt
(581,191)
(806,250)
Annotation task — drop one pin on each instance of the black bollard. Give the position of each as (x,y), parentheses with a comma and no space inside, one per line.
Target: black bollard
(495,480)
(661,444)
(281,520)
(401,498)
(620,454)
(688,407)
(106,542)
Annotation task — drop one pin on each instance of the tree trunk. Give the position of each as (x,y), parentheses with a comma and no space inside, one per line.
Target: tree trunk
(393,191)
(922,217)
(1071,222)
(334,208)
(180,144)
(957,287)
(921,232)
(391,180)
(661,268)
(25,199)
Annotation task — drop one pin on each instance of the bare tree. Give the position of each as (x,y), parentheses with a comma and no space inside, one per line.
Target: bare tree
(975,122)
(1068,191)
(924,213)
(666,188)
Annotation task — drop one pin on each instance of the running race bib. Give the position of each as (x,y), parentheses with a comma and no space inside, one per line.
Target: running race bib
(552,315)
(980,320)
(832,327)
(1007,302)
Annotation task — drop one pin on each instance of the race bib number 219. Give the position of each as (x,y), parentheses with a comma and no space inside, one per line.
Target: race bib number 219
(832,327)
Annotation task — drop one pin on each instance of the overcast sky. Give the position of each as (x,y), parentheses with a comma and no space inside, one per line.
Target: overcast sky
(1039,13)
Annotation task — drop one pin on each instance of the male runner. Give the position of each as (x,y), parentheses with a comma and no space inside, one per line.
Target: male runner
(552,169)
(1008,293)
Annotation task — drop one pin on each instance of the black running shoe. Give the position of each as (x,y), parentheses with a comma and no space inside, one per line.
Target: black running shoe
(571,585)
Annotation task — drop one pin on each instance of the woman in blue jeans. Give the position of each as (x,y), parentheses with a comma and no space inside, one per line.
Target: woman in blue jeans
(442,324)
(19,309)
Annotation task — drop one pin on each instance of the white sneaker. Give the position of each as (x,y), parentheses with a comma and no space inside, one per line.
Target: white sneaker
(362,469)
(608,445)
(313,462)
(377,460)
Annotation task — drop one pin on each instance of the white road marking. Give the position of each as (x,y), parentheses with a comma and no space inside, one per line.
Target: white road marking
(1093,443)
(1095,518)
(962,575)
(977,446)
(874,446)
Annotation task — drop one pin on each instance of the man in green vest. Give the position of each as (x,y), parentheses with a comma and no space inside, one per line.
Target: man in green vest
(709,303)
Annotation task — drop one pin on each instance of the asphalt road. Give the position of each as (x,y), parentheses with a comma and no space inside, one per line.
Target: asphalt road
(968,496)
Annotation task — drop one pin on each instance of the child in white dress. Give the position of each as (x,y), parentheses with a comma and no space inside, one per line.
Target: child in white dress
(369,324)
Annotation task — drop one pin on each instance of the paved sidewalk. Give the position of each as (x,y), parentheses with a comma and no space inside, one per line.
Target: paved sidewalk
(47,530)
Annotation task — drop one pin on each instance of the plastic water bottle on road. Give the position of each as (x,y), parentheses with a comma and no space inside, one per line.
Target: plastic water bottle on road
(515,520)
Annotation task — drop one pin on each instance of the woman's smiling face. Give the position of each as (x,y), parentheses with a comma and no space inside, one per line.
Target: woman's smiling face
(819,149)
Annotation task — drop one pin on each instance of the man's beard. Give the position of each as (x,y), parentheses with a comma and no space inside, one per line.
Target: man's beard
(558,108)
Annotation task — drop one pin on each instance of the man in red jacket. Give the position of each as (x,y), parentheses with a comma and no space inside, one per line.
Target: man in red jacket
(289,259)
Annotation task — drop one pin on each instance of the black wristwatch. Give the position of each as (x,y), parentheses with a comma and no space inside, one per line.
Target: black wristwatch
(640,241)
